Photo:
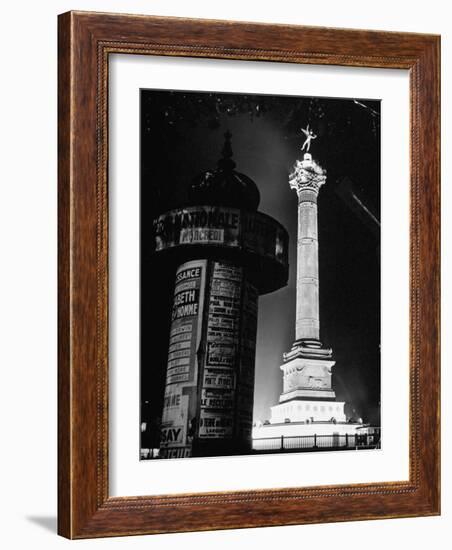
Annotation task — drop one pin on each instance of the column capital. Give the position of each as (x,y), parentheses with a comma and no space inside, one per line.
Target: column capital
(307,175)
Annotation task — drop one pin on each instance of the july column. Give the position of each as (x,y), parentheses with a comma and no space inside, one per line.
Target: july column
(307,179)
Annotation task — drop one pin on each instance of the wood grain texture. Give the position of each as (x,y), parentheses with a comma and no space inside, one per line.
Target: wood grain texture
(85,42)
(64,295)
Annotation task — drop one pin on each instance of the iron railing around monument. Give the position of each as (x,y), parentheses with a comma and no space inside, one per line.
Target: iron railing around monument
(317,442)
(283,443)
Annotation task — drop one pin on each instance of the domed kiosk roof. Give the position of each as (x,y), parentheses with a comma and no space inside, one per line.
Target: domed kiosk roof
(220,221)
(225,186)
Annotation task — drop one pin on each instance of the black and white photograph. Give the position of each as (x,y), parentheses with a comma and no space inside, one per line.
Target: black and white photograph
(260,274)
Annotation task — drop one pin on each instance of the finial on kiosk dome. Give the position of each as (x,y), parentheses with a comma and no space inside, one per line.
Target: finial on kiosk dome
(226,162)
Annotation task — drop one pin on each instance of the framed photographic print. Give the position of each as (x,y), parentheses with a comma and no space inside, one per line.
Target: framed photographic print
(248,275)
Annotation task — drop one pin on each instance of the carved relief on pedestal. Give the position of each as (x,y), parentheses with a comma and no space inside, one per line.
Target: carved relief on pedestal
(307,375)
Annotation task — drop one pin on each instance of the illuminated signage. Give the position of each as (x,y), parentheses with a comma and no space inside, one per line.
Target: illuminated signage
(208,225)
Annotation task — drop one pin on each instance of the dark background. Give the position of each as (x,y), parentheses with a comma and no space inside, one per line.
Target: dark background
(181,136)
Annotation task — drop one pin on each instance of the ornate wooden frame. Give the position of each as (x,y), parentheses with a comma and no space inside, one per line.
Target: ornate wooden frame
(85,42)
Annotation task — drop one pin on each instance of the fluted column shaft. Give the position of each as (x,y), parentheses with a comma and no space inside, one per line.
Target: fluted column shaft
(307,316)
(306,179)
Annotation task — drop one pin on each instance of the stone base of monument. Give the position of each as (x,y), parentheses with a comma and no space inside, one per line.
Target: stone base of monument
(308,411)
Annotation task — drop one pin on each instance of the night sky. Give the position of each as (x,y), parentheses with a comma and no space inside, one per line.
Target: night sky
(182,134)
